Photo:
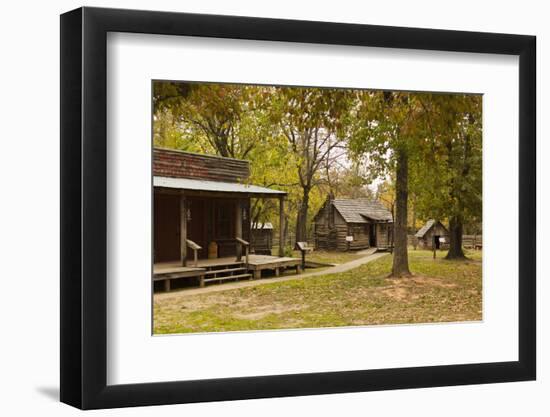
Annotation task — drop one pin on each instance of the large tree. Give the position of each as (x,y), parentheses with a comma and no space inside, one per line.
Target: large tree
(221,118)
(314,122)
(449,170)
(388,134)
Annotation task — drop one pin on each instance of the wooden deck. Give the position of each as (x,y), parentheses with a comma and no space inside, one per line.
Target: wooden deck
(221,269)
(258,263)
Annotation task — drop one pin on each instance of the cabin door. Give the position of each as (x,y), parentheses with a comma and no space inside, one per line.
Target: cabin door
(166,228)
(372,235)
(196,226)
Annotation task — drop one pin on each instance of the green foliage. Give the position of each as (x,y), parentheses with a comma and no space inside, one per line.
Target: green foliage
(447,172)
(312,142)
(288,251)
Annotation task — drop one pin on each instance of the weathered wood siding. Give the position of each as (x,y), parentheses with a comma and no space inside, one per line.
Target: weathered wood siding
(201,226)
(341,231)
(179,164)
(331,230)
(360,233)
(412,240)
(325,232)
(426,241)
(227,246)
(262,240)
(472,241)
(384,237)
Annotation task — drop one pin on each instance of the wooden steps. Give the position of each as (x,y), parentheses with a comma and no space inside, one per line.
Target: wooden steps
(225,272)
(226,277)
(217,271)
(222,269)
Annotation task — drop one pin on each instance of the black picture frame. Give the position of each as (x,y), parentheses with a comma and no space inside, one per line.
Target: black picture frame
(84,207)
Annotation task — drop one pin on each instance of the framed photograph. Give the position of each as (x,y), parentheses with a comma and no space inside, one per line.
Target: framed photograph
(257,208)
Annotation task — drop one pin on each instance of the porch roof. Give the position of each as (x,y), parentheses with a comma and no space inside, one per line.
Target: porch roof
(214,186)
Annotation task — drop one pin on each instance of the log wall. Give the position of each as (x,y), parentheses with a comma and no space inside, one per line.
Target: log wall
(325,232)
(425,242)
(262,240)
(360,233)
(384,235)
(330,233)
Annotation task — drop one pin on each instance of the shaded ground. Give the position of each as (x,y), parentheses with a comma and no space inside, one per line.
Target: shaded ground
(440,291)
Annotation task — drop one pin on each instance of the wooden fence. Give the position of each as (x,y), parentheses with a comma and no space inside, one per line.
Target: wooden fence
(468,241)
(472,241)
(290,239)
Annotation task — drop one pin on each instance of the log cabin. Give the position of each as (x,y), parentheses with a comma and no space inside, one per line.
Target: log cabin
(433,235)
(261,238)
(353,224)
(201,226)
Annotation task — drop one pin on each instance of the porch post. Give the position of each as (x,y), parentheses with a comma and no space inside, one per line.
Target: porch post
(281,226)
(239,228)
(183,231)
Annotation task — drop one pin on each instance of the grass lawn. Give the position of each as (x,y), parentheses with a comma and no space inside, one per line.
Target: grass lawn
(329,257)
(440,291)
(323,256)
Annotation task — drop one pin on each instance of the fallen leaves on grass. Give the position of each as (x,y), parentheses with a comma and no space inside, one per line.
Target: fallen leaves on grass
(438,291)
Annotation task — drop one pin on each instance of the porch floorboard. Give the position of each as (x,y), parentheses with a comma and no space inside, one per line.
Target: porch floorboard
(204,267)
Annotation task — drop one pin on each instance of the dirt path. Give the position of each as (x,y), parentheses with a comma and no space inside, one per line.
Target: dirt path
(244,284)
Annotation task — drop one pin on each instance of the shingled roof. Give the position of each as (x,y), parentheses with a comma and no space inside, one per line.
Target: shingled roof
(362,210)
(425,229)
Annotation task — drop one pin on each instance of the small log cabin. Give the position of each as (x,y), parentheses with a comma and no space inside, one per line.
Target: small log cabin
(205,200)
(261,238)
(353,224)
(432,233)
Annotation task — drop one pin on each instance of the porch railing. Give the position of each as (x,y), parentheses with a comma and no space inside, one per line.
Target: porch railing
(196,248)
(246,246)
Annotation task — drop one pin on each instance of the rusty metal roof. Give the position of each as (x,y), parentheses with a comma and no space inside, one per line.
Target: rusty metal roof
(214,186)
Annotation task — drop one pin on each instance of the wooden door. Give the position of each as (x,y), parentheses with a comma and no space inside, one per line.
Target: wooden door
(166,228)
(224,226)
(196,226)
(372,235)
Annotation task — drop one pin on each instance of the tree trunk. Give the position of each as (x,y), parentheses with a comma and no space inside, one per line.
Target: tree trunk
(455,244)
(414,221)
(301,220)
(400,266)
(456,221)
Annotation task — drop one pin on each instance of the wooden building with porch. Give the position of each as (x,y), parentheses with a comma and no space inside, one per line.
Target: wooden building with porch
(261,236)
(202,219)
(433,235)
(353,224)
